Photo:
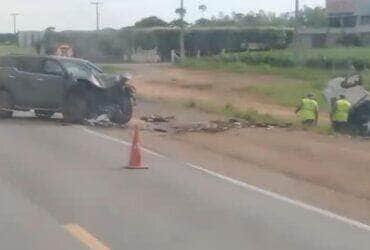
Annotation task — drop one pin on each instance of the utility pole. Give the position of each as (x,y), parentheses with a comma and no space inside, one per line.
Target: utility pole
(296,25)
(14,15)
(97,5)
(182,31)
(296,44)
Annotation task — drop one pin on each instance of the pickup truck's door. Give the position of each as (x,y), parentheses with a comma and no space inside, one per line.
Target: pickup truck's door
(8,76)
(36,83)
(20,79)
(48,86)
(19,83)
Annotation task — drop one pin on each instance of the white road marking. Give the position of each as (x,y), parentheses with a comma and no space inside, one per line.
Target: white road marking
(85,237)
(279,197)
(128,144)
(276,196)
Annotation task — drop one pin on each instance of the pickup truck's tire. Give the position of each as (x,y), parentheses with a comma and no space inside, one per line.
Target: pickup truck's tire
(44,113)
(5,103)
(124,113)
(75,108)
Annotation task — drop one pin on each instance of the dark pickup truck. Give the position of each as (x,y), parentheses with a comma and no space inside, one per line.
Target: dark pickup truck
(75,87)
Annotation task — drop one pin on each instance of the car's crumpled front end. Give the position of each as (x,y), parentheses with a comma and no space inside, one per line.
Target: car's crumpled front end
(113,96)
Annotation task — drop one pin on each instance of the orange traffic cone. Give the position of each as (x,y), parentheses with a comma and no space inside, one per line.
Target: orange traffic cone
(135,158)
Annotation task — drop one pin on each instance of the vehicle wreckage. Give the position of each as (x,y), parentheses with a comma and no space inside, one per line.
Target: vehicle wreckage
(357,95)
(77,88)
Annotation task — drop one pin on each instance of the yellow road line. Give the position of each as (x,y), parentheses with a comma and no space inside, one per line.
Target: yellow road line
(85,237)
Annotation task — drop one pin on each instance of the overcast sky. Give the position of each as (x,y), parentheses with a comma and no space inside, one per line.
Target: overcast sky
(80,14)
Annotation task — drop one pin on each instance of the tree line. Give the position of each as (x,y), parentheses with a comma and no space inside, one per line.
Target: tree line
(308,17)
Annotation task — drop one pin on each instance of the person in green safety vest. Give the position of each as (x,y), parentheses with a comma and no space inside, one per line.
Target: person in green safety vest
(340,114)
(308,110)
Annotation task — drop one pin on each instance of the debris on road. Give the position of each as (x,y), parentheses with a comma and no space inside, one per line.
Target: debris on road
(235,123)
(102,121)
(157,118)
(161,130)
(164,125)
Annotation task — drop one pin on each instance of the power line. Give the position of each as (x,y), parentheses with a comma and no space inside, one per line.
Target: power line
(14,15)
(97,5)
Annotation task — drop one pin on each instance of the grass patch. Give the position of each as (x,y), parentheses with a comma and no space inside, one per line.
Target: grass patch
(208,63)
(318,77)
(286,94)
(314,81)
(230,111)
(250,115)
(311,80)
(323,129)
(110,68)
(13,49)
(328,58)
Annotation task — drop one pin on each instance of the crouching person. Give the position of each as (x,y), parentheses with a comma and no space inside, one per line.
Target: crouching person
(308,111)
(340,114)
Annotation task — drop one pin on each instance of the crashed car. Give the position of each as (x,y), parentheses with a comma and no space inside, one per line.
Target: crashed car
(357,95)
(77,88)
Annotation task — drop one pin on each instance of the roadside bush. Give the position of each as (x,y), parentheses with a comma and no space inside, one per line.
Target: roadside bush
(213,40)
(330,58)
(8,38)
(210,41)
(350,40)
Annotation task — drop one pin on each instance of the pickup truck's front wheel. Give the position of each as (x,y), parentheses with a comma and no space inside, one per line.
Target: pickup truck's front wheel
(75,108)
(5,105)
(123,113)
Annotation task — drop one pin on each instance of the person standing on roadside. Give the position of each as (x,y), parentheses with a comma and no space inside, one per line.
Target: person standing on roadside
(308,111)
(340,114)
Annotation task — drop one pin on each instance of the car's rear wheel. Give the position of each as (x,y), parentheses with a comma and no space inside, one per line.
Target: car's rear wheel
(123,114)
(44,113)
(75,109)
(5,105)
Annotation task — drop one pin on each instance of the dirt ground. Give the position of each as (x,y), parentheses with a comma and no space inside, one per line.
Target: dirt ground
(219,88)
(332,172)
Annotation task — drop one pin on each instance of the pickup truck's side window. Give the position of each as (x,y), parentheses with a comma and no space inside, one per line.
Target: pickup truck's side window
(52,68)
(27,64)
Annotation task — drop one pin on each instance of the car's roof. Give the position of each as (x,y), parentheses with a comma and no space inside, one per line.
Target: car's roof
(44,57)
(58,58)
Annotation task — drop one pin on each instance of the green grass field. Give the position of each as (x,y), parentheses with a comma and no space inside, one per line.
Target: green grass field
(13,49)
(329,58)
(314,79)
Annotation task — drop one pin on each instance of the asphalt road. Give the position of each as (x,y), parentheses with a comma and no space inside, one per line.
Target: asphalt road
(61,187)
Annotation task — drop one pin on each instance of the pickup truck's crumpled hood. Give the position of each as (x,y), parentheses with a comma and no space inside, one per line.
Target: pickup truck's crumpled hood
(106,81)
